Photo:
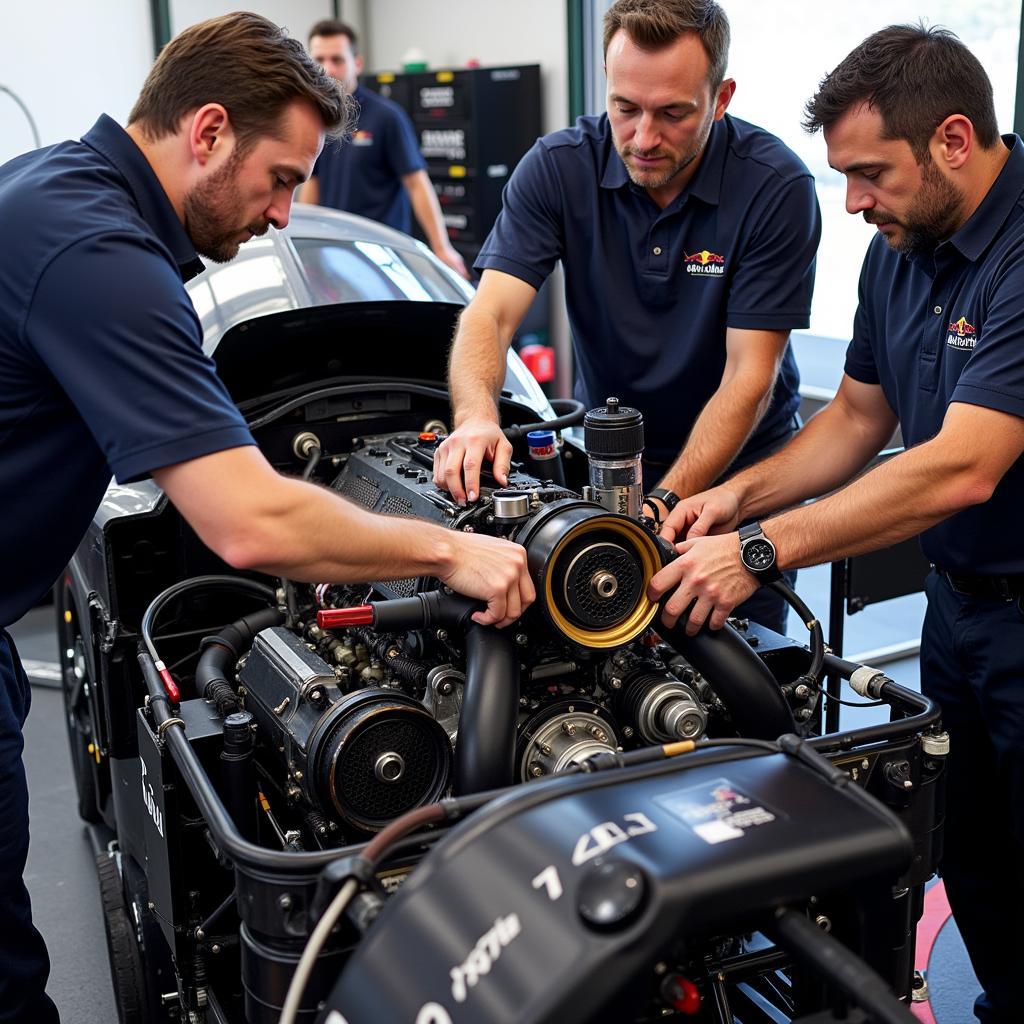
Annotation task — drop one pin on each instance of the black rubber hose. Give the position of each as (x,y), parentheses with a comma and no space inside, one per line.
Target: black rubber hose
(862,985)
(575,411)
(221,652)
(738,676)
(485,753)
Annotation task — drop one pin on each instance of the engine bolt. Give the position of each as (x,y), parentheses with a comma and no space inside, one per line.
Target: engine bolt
(802,691)
(445,688)
(599,734)
(803,714)
(524,701)
(569,728)
(199,935)
(823,923)
(442,634)
(522,639)
(615,683)
(865,764)
(536,769)
(545,749)
(284,901)
(215,948)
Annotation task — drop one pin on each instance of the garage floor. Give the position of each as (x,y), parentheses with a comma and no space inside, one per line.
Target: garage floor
(62,879)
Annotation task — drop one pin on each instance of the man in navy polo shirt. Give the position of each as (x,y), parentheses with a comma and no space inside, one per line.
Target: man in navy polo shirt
(381,173)
(102,372)
(688,239)
(938,346)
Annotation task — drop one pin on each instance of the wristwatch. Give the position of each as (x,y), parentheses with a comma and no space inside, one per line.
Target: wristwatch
(668,498)
(757,553)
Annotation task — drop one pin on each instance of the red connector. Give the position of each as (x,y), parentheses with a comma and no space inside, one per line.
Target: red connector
(339,618)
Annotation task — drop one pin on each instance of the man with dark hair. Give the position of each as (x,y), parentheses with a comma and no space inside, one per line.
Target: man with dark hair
(102,371)
(938,347)
(688,239)
(381,173)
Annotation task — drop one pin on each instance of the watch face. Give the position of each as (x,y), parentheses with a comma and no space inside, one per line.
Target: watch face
(758,555)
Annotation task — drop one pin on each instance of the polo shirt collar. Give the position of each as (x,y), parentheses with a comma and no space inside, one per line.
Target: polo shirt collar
(706,184)
(110,140)
(983,225)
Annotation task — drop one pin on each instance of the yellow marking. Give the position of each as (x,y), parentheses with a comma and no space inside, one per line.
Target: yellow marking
(385,77)
(456,171)
(682,747)
(264,803)
(67,615)
(446,76)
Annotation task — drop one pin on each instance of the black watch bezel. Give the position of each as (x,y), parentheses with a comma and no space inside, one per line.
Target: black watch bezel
(750,535)
(668,498)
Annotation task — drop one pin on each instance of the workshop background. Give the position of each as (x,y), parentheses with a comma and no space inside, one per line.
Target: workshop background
(66,62)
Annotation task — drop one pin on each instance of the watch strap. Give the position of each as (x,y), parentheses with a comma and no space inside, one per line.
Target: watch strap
(668,498)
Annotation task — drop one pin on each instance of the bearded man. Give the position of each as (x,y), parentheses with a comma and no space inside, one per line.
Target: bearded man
(688,239)
(102,373)
(938,349)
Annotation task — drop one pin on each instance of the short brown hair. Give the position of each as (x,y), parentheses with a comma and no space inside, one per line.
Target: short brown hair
(332,27)
(654,24)
(244,62)
(915,77)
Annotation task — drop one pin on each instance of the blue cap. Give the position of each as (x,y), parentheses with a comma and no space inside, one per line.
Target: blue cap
(540,438)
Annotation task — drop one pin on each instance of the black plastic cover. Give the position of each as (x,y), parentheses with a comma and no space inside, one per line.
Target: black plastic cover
(504,920)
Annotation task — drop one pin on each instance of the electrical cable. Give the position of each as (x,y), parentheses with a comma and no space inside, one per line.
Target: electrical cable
(316,942)
(24,109)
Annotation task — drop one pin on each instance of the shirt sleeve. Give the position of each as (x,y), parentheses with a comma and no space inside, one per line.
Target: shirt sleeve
(527,238)
(403,151)
(113,324)
(860,353)
(994,374)
(772,287)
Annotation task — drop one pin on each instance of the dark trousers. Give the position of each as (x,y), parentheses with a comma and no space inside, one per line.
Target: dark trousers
(972,664)
(24,964)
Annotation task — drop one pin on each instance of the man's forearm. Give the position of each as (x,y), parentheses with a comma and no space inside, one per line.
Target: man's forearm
(721,430)
(830,450)
(306,532)
(896,500)
(476,368)
(427,209)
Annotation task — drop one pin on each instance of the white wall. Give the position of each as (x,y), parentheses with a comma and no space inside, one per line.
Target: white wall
(298,16)
(490,31)
(69,62)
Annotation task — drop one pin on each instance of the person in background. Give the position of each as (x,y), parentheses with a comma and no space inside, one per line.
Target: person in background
(102,372)
(938,348)
(688,239)
(380,173)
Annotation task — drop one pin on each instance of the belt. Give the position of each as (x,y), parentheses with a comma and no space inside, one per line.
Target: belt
(992,588)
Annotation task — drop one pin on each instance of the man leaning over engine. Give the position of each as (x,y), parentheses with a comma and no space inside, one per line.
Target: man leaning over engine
(938,347)
(688,240)
(102,372)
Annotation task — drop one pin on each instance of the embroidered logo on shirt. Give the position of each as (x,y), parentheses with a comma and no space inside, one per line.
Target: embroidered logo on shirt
(704,263)
(961,335)
(361,137)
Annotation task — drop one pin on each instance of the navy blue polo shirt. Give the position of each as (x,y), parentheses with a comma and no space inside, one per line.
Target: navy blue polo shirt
(650,292)
(364,174)
(948,326)
(101,364)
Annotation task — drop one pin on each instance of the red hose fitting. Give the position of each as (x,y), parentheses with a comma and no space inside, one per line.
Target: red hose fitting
(339,618)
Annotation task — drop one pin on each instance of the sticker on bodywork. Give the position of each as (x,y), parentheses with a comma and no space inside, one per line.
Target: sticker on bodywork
(718,811)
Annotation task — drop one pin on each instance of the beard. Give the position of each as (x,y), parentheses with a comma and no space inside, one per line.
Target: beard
(930,219)
(214,216)
(656,179)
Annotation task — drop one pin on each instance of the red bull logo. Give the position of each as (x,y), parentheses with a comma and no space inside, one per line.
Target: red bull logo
(704,262)
(962,335)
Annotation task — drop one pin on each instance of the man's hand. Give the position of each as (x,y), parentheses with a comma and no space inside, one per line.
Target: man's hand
(709,575)
(462,454)
(709,512)
(449,256)
(495,571)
